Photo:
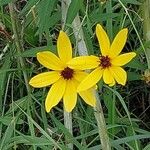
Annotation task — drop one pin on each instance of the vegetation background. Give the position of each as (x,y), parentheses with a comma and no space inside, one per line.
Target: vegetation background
(31,26)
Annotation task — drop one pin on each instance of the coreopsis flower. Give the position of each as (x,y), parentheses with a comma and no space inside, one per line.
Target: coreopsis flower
(63,79)
(109,64)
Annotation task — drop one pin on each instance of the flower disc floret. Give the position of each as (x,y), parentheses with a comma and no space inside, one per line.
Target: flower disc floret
(105,62)
(67,73)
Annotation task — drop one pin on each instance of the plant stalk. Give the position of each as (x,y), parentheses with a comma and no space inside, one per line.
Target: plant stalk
(99,115)
(18,44)
(142,45)
(146,24)
(19,48)
(68,125)
(67,115)
(82,49)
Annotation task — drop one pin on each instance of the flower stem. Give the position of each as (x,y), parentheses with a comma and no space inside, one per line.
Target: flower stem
(99,115)
(18,44)
(82,49)
(140,40)
(146,25)
(67,116)
(68,125)
(19,48)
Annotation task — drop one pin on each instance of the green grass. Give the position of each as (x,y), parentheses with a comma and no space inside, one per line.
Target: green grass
(24,124)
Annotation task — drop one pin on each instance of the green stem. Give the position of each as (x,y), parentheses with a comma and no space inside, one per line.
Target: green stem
(82,49)
(68,125)
(146,54)
(111,108)
(112,113)
(67,116)
(99,115)
(18,44)
(146,24)
(109,21)
(19,48)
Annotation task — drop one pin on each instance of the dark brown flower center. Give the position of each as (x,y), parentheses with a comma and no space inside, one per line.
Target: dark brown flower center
(67,73)
(105,61)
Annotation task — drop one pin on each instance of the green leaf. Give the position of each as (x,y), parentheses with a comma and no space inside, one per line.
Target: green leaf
(30,36)
(4,2)
(7,120)
(88,41)
(40,142)
(132,76)
(130,138)
(129,133)
(147,147)
(6,65)
(72,11)
(33,51)
(54,19)
(45,134)
(67,133)
(45,9)
(28,6)
(135,2)
(110,101)
(3,77)
(7,134)
(135,63)
(99,17)
(22,102)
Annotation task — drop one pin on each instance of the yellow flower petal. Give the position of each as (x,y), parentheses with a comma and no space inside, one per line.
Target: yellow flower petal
(50,60)
(44,79)
(119,74)
(107,76)
(123,59)
(113,83)
(89,97)
(90,80)
(64,47)
(70,96)
(103,40)
(79,75)
(118,43)
(84,62)
(55,94)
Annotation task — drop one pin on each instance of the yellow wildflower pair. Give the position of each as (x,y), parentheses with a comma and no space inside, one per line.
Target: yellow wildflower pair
(66,75)
(64,80)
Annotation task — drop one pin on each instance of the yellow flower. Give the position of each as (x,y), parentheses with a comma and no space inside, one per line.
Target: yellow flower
(108,64)
(63,79)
